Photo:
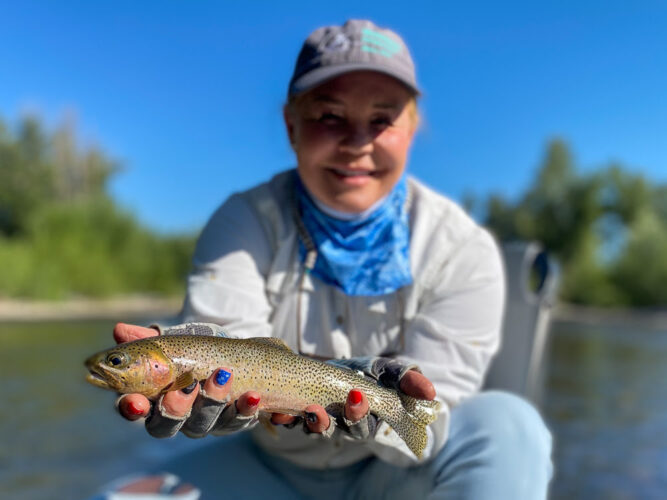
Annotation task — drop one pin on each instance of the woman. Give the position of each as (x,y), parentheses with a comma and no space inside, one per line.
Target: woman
(345,258)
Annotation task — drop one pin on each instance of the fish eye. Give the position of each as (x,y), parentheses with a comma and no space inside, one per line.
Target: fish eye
(116,359)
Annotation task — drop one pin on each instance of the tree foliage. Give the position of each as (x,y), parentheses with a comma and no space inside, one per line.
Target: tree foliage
(61,234)
(38,169)
(608,229)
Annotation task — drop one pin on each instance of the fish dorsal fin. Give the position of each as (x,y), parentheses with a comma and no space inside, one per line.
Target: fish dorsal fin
(280,343)
(182,381)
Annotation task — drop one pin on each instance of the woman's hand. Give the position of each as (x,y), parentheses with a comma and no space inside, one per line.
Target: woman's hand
(317,420)
(178,404)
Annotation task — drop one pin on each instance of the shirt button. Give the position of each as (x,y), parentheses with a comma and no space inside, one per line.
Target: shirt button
(340,319)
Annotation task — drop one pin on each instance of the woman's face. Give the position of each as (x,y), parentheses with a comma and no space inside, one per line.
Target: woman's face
(351,137)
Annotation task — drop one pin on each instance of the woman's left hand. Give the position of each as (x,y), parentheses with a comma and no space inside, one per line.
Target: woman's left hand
(317,420)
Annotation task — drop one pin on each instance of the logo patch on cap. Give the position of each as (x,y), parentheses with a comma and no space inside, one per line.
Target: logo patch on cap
(358,45)
(339,42)
(372,41)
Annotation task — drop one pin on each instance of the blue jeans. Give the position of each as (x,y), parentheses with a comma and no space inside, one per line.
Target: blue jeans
(498,448)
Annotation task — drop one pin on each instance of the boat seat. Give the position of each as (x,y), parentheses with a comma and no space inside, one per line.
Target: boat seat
(532,282)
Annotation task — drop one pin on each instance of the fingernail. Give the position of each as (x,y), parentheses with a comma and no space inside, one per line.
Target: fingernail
(134,409)
(190,388)
(222,377)
(253,400)
(311,417)
(355,397)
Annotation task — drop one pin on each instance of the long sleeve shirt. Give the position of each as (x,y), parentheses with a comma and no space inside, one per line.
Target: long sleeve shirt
(247,276)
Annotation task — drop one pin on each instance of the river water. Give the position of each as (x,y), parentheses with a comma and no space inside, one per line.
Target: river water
(606,406)
(60,438)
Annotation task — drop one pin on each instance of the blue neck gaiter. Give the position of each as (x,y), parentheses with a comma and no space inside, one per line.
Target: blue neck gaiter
(368,255)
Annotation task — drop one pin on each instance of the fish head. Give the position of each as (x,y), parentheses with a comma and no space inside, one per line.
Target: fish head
(134,367)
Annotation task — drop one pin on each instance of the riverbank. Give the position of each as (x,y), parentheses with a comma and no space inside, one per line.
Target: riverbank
(118,308)
(142,306)
(653,319)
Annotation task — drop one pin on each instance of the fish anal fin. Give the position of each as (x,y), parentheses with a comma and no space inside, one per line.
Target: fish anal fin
(280,343)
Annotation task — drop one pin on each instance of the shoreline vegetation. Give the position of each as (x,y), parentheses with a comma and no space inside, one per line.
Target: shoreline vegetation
(646,318)
(122,308)
(63,236)
(135,307)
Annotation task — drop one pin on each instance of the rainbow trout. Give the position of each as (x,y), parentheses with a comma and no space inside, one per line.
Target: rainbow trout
(286,382)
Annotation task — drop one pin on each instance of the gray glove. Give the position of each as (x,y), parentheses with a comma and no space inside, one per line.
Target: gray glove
(387,372)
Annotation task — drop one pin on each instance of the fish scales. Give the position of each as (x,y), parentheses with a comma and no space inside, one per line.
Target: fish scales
(286,382)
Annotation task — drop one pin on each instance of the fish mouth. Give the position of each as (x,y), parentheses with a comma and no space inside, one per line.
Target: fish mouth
(97,380)
(98,374)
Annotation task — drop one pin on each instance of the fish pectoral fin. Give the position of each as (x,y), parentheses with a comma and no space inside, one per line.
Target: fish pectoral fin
(265,421)
(182,381)
(280,343)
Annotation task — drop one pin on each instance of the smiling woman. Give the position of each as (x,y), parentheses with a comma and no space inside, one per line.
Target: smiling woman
(346,258)
(351,136)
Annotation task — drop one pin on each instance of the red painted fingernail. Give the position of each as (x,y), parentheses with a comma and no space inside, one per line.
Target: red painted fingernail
(134,409)
(253,400)
(355,397)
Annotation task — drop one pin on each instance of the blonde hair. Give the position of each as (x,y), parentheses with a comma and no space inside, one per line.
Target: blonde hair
(413,111)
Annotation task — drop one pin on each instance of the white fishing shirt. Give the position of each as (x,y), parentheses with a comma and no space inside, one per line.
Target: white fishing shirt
(246,275)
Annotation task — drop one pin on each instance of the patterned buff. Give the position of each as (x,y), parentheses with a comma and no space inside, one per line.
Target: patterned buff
(363,256)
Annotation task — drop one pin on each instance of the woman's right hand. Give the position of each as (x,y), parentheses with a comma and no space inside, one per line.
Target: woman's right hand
(176,405)
(195,411)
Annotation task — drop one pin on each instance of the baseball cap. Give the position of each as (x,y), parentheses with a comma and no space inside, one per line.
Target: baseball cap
(358,45)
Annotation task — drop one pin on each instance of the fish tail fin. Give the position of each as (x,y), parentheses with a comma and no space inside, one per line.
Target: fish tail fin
(410,422)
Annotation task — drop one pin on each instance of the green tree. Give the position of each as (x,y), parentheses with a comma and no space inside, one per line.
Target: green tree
(27,180)
(61,234)
(641,271)
(603,227)
(37,170)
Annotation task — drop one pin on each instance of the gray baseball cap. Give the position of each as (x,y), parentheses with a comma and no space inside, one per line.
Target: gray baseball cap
(358,45)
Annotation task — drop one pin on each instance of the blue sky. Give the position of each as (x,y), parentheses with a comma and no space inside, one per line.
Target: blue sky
(188,95)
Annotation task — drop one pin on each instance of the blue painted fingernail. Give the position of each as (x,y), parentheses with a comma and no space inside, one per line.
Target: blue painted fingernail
(222,377)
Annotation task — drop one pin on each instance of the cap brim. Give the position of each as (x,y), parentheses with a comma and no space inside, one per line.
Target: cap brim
(319,76)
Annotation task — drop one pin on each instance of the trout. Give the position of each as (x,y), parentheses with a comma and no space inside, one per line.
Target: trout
(286,382)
